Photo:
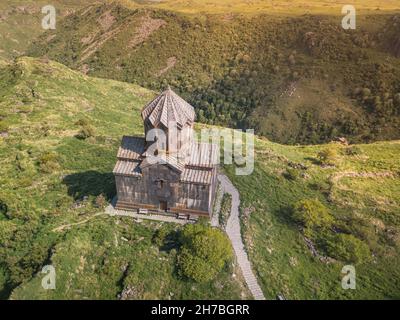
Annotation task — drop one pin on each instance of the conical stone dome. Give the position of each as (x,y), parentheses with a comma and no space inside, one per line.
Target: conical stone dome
(168,107)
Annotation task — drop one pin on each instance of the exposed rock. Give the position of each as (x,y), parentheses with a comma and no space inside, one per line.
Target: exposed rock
(128,293)
(295,165)
(146,28)
(106,20)
(341,140)
(171,61)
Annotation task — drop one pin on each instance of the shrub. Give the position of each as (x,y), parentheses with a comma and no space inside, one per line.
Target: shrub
(327,156)
(312,213)
(3,208)
(86,131)
(4,279)
(3,127)
(291,174)
(353,151)
(159,237)
(204,252)
(100,201)
(48,162)
(348,248)
(366,92)
(225,210)
(322,186)
(82,122)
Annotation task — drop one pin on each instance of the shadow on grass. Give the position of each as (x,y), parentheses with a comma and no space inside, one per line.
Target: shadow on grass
(90,183)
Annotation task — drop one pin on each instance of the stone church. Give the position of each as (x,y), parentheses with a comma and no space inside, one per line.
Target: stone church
(167,172)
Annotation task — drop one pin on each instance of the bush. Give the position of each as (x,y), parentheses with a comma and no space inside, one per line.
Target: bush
(348,248)
(3,280)
(311,214)
(48,162)
(3,127)
(322,186)
(204,252)
(353,151)
(100,201)
(159,237)
(82,122)
(3,208)
(86,131)
(327,156)
(291,174)
(225,210)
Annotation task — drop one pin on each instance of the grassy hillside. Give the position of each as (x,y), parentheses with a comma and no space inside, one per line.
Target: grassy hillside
(51,181)
(285,7)
(361,191)
(20,22)
(260,71)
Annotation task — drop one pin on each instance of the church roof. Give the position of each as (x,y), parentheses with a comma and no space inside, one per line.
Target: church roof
(203,155)
(198,176)
(167,159)
(127,168)
(131,148)
(167,107)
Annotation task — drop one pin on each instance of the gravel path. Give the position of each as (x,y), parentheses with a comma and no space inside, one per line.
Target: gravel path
(233,231)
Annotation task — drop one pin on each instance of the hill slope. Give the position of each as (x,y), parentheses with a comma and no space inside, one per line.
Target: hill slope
(281,7)
(50,181)
(260,71)
(50,178)
(20,22)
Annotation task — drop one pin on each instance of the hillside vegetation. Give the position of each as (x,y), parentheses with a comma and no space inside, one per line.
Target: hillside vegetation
(59,133)
(20,22)
(257,71)
(281,7)
(318,208)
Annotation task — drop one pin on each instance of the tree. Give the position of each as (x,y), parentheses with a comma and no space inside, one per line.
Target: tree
(204,252)
(4,279)
(327,156)
(311,213)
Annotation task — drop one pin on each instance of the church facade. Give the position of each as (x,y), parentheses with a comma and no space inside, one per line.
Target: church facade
(169,171)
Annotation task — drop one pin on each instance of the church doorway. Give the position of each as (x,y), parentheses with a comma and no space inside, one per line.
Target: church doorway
(163,205)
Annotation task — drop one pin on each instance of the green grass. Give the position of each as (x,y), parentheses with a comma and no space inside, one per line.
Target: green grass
(41,101)
(98,260)
(50,179)
(283,262)
(20,22)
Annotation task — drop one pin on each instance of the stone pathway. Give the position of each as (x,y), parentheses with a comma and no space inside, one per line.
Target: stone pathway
(233,231)
(110,210)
